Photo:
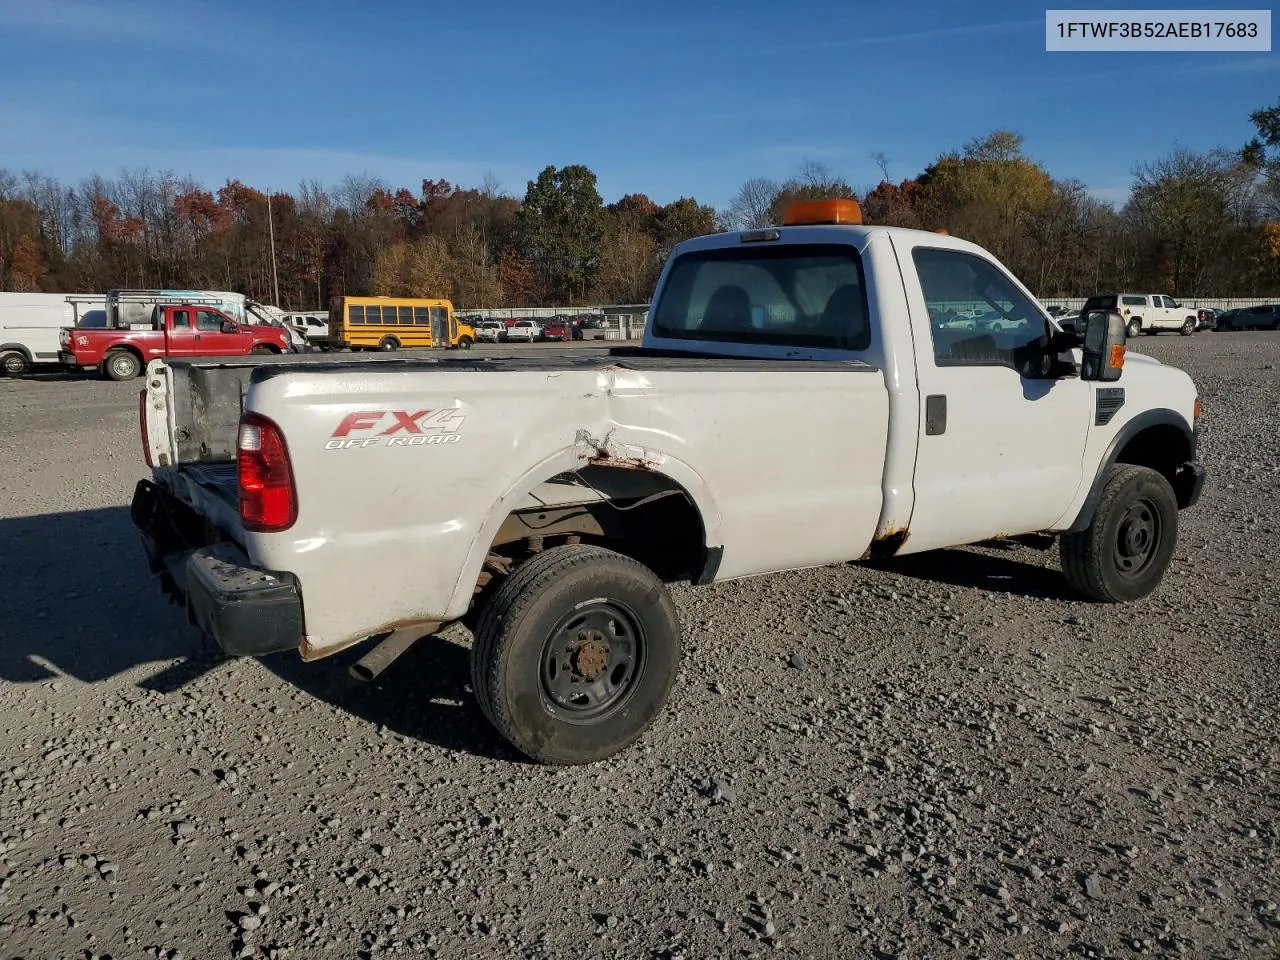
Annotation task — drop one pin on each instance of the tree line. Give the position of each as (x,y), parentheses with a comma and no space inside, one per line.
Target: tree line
(1205,224)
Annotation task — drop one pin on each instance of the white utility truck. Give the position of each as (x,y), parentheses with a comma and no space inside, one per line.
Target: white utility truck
(792,404)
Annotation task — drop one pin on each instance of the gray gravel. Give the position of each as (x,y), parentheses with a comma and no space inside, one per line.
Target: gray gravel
(947,756)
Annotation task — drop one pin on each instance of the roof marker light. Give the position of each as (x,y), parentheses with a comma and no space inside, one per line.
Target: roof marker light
(840,210)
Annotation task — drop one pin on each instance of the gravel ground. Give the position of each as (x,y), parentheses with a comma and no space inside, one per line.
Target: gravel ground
(948,756)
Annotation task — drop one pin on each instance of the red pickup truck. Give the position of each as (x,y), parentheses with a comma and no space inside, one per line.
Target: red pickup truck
(177,331)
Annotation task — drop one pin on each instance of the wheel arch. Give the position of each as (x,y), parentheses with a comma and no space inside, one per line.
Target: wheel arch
(127,348)
(20,348)
(1160,439)
(669,474)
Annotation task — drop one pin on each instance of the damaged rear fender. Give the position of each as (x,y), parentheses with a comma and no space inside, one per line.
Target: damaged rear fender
(570,459)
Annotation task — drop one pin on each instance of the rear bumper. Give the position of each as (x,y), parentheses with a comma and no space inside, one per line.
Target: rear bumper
(67,359)
(246,611)
(1188,483)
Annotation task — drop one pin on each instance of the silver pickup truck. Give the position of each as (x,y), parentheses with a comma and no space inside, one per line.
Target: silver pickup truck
(794,403)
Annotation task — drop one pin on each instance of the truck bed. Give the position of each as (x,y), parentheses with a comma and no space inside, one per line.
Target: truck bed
(207,394)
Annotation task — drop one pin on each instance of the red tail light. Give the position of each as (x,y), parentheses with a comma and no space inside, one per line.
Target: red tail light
(142,426)
(268,501)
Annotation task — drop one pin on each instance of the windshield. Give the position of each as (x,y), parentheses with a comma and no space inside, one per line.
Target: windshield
(807,295)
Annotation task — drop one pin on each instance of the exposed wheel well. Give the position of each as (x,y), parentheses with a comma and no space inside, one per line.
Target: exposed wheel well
(1163,448)
(639,513)
(6,347)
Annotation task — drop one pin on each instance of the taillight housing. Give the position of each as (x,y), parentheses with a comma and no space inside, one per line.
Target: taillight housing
(142,427)
(268,500)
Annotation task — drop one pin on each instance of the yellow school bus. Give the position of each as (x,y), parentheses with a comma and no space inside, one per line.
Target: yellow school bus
(390,323)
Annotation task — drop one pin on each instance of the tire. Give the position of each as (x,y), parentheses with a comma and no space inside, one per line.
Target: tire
(14,363)
(464,343)
(523,680)
(389,343)
(1188,328)
(1134,328)
(1124,552)
(121,365)
(261,349)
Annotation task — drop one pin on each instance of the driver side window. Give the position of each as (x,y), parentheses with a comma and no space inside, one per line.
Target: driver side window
(977,316)
(209,321)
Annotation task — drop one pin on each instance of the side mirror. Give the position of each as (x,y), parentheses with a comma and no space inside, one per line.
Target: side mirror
(1104,346)
(229,327)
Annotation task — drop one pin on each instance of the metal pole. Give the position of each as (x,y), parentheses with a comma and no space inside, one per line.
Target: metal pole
(275,279)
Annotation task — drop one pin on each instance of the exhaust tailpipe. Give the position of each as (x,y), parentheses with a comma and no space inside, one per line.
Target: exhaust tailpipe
(391,646)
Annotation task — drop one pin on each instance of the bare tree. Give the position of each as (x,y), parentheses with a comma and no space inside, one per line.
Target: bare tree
(751,205)
(881,160)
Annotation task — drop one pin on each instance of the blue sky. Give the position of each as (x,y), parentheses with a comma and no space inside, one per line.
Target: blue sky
(660,97)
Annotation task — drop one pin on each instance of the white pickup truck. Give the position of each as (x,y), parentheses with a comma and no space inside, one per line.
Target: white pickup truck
(1147,313)
(792,405)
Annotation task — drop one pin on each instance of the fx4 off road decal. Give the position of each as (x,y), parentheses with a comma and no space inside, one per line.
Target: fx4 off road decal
(397,428)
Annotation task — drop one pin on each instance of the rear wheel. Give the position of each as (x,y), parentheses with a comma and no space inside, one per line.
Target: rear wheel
(14,363)
(1188,328)
(575,654)
(389,343)
(1124,552)
(121,365)
(1134,328)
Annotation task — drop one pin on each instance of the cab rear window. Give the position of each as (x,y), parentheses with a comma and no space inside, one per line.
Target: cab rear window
(810,295)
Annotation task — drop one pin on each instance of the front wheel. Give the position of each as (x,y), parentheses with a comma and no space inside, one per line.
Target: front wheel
(1134,328)
(121,365)
(464,343)
(1188,328)
(1124,552)
(575,654)
(262,349)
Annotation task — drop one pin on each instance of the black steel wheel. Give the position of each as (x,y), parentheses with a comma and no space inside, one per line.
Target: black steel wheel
(1124,552)
(575,654)
(591,660)
(389,343)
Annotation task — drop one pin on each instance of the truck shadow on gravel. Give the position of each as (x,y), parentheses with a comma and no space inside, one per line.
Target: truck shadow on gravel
(424,695)
(80,604)
(994,569)
(79,601)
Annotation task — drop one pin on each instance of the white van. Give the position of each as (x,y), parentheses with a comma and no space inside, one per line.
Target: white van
(30,322)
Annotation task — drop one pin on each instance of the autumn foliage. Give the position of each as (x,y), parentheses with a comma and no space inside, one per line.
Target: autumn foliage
(1194,224)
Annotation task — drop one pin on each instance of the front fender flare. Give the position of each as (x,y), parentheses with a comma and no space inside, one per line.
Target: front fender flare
(1160,417)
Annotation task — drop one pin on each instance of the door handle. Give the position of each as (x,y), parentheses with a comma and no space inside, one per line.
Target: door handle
(935,414)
